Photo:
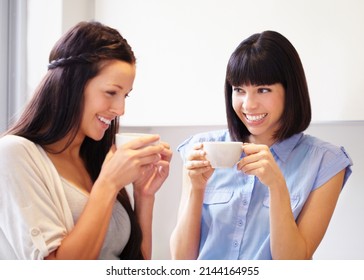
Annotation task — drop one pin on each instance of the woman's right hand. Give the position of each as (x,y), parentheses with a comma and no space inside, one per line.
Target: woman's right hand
(185,238)
(198,168)
(124,164)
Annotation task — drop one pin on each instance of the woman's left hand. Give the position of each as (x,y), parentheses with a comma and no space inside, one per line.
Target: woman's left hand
(152,179)
(259,162)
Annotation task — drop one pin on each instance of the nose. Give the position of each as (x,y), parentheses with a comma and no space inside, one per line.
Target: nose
(118,106)
(249,102)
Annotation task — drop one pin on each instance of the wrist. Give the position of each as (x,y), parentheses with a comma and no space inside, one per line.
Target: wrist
(143,196)
(106,186)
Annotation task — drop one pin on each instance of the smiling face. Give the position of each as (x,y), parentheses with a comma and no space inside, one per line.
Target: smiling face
(260,109)
(105,97)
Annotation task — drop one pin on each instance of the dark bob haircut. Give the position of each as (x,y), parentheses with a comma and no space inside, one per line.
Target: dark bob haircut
(264,59)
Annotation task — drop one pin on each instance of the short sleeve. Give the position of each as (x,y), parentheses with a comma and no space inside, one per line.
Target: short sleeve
(334,159)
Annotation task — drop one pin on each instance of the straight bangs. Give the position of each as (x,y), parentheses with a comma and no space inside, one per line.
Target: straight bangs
(253,67)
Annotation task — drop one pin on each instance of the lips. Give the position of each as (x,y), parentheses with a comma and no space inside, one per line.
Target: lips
(255,118)
(104,120)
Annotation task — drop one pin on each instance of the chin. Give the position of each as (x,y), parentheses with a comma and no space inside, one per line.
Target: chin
(96,137)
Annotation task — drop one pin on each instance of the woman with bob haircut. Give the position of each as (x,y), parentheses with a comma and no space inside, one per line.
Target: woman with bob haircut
(277,201)
(62,180)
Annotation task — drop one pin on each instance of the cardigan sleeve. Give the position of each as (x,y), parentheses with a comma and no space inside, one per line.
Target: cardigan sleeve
(34,217)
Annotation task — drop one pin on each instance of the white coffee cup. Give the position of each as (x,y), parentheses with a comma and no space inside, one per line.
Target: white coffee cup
(124,137)
(223,154)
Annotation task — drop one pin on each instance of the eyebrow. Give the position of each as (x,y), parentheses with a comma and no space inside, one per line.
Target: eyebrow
(116,85)
(120,87)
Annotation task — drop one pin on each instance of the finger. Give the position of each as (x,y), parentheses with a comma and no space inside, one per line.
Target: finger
(166,154)
(163,167)
(166,148)
(247,162)
(195,164)
(148,170)
(198,146)
(163,163)
(196,154)
(166,145)
(149,150)
(249,159)
(195,172)
(249,148)
(142,141)
(152,159)
(250,167)
(142,152)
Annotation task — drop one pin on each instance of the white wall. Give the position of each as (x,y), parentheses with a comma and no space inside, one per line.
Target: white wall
(44,29)
(47,21)
(75,11)
(183,47)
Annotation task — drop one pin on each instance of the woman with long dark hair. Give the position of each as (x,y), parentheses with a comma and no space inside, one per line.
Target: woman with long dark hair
(62,181)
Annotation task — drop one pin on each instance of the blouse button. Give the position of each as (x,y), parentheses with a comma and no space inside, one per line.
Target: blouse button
(35,232)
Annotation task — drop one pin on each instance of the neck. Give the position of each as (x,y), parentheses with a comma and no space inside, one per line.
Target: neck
(66,148)
(268,141)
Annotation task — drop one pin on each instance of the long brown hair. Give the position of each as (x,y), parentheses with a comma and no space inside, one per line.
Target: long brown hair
(56,109)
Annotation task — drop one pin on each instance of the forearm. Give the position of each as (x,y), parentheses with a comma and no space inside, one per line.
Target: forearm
(144,211)
(286,240)
(299,239)
(87,237)
(185,239)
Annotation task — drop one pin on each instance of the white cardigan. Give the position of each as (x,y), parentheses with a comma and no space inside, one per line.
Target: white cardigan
(34,212)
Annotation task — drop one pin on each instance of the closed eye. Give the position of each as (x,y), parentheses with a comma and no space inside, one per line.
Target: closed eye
(110,92)
(113,93)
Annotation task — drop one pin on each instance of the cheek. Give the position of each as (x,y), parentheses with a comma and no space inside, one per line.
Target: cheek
(236,103)
(277,106)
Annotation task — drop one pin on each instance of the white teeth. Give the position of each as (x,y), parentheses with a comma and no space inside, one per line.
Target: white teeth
(255,117)
(104,120)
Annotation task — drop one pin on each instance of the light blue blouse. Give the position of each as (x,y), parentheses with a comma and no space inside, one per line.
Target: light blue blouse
(235,216)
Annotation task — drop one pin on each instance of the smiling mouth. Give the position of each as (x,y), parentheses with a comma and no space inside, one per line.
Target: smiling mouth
(104,120)
(255,118)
